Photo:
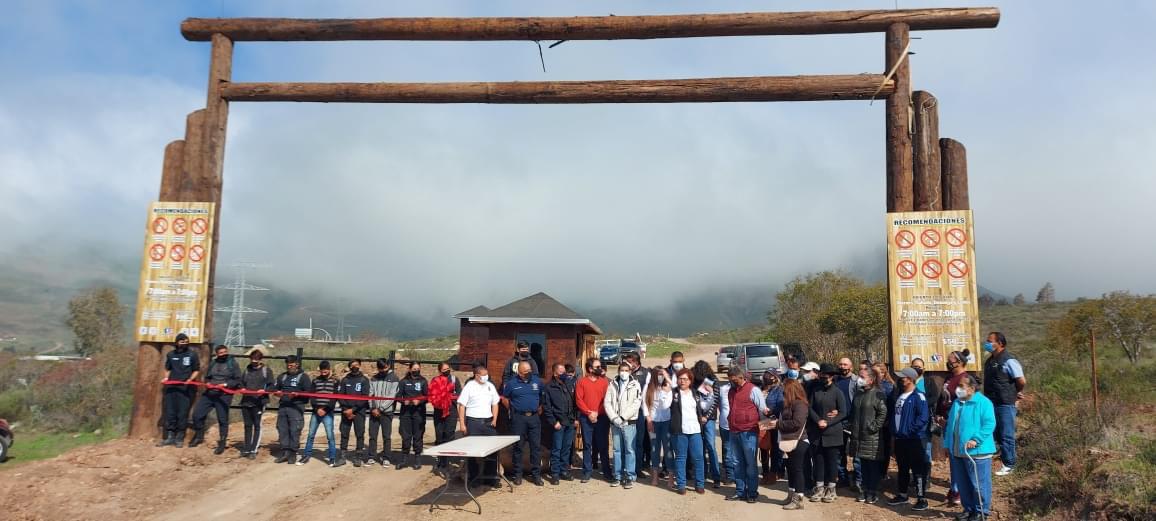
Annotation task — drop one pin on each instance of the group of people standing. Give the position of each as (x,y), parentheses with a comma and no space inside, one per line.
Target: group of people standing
(804,422)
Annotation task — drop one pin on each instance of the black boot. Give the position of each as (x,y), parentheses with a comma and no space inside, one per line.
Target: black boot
(198,439)
(284,456)
(220,448)
(292,457)
(179,438)
(356,459)
(402,462)
(169,439)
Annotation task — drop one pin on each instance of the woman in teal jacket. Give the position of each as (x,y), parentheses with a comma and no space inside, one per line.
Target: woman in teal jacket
(968,436)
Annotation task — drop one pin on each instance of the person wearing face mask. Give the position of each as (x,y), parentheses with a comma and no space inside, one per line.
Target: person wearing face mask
(412,395)
(642,439)
(353,411)
(222,375)
(658,398)
(845,380)
(257,377)
(909,428)
(772,459)
(478,416)
(1003,384)
(561,415)
(521,354)
(523,396)
(324,384)
(868,417)
(622,403)
(686,422)
(589,396)
(181,364)
(968,437)
(443,389)
(384,384)
(291,409)
(957,366)
(810,377)
(677,363)
(793,372)
(829,408)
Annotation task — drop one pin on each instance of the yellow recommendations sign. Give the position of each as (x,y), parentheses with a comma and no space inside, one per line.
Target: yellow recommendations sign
(174,273)
(934,306)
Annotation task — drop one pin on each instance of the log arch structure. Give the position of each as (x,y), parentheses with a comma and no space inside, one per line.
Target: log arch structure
(923,171)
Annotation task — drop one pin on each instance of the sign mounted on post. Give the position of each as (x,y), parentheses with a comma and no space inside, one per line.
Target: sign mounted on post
(174,274)
(935,308)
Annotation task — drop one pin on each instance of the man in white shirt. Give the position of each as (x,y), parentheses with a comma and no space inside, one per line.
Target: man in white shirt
(478,416)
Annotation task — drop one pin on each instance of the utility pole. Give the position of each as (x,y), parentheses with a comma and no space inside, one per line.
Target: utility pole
(235,335)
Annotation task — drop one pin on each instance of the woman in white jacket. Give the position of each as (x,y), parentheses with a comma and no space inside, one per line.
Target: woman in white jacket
(658,397)
(623,402)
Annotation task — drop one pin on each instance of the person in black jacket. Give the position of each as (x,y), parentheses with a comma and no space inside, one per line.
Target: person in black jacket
(353,411)
(290,408)
(257,377)
(829,408)
(561,414)
(222,375)
(181,365)
(412,395)
(521,354)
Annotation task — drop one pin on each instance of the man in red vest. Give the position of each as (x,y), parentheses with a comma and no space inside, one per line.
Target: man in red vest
(746,401)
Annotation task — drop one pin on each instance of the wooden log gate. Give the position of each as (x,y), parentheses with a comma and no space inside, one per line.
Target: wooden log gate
(924,172)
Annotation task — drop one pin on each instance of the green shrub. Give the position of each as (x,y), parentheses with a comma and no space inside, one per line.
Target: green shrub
(14,404)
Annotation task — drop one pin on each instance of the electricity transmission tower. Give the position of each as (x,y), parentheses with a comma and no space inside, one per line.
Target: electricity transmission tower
(235,336)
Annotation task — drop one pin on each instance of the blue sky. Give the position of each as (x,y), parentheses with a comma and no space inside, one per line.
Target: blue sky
(448,206)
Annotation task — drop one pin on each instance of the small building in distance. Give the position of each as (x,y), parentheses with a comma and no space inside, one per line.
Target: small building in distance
(556,334)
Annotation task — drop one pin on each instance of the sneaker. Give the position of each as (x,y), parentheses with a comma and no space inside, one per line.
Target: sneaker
(566,476)
(862,498)
(795,503)
(416,463)
(518,481)
(1004,471)
(337,462)
(901,499)
(952,499)
(615,483)
(283,457)
(733,497)
(628,484)
(752,499)
(537,481)
(384,463)
(292,458)
(829,494)
(963,516)
(920,504)
(304,459)
(872,499)
(370,461)
(554,479)
(817,494)
(585,478)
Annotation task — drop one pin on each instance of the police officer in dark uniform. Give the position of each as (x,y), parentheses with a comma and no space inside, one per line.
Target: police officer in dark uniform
(523,395)
(412,418)
(181,364)
(353,411)
(222,375)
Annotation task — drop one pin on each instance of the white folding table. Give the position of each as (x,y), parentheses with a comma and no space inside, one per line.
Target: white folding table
(464,448)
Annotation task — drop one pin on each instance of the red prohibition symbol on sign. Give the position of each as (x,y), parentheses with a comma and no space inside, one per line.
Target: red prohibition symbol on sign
(929,238)
(905,269)
(199,226)
(956,237)
(157,252)
(932,269)
(904,239)
(957,268)
(177,253)
(160,225)
(179,225)
(196,253)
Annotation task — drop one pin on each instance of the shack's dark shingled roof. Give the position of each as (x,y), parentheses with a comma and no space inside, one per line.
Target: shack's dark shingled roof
(473,312)
(538,307)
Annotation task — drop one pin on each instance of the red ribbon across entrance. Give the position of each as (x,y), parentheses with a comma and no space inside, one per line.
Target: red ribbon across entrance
(330,396)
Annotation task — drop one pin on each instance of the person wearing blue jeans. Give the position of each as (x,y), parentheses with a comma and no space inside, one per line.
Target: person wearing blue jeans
(327,421)
(1003,385)
(746,406)
(724,431)
(561,415)
(623,402)
(687,419)
(709,433)
(658,399)
(967,435)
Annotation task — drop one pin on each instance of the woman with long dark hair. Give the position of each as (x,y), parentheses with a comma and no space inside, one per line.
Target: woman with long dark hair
(658,397)
(792,427)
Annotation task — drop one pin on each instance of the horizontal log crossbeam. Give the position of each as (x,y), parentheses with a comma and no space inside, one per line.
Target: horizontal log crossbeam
(587,27)
(760,88)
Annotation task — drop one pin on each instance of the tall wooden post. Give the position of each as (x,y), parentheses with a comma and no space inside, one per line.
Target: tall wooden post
(213,154)
(899,154)
(146,389)
(954,160)
(925,146)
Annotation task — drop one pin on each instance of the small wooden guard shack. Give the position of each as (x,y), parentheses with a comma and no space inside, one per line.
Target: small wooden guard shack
(556,334)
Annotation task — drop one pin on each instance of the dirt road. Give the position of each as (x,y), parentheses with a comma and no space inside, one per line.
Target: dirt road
(127,479)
